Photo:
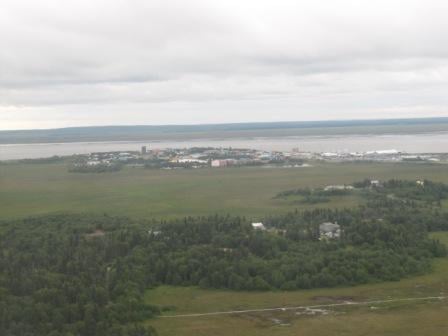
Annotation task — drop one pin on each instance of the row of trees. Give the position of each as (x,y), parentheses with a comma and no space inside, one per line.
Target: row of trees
(423,191)
(98,168)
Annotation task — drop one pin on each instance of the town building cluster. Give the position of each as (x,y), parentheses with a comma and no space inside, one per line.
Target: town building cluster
(195,157)
(389,155)
(200,157)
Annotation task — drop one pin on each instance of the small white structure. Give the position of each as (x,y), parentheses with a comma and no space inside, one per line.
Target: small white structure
(374,183)
(258,226)
(338,187)
(420,183)
(330,154)
(383,152)
(329,230)
(190,160)
(387,152)
(154,233)
(93,163)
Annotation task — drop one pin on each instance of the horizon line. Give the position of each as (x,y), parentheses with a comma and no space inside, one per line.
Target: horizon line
(231,123)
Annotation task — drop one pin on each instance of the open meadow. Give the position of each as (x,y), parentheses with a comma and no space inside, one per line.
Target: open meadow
(35,189)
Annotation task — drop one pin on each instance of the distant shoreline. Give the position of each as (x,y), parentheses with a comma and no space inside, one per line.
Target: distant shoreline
(224,131)
(199,139)
(408,142)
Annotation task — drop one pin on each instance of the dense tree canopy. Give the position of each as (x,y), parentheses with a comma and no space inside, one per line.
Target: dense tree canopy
(86,275)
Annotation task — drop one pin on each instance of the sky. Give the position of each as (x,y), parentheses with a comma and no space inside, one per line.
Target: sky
(127,62)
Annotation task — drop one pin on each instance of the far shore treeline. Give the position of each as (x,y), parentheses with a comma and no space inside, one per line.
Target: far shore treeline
(185,132)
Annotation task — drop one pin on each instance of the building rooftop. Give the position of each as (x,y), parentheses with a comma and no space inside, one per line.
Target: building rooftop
(329,227)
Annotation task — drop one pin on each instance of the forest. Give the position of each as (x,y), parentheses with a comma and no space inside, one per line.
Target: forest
(80,274)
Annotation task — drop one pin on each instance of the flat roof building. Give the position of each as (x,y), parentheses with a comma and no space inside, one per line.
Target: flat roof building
(329,230)
(258,226)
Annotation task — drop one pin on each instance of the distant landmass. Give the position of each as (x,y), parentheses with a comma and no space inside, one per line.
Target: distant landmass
(261,129)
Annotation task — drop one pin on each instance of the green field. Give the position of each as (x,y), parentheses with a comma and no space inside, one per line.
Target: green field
(401,318)
(33,189)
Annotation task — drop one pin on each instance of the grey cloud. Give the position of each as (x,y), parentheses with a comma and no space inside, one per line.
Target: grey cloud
(231,59)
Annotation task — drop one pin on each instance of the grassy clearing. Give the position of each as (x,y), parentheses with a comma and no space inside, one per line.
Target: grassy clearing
(404,318)
(441,236)
(416,321)
(32,189)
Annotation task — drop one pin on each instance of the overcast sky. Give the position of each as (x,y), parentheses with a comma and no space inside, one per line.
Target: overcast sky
(95,62)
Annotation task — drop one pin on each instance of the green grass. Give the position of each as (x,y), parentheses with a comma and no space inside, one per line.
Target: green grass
(414,318)
(416,321)
(33,189)
(441,236)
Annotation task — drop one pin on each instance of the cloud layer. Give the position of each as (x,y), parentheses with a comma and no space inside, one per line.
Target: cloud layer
(66,63)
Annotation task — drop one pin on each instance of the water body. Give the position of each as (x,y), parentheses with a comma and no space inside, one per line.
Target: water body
(410,143)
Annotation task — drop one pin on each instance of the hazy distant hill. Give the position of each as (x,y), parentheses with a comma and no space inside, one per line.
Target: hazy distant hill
(179,132)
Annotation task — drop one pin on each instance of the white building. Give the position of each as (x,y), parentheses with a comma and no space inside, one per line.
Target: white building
(338,187)
(329,230)
(330,155)
(374,183)
(258,226)
(190,160)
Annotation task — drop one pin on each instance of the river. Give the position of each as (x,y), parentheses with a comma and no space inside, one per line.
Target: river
(410,143)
